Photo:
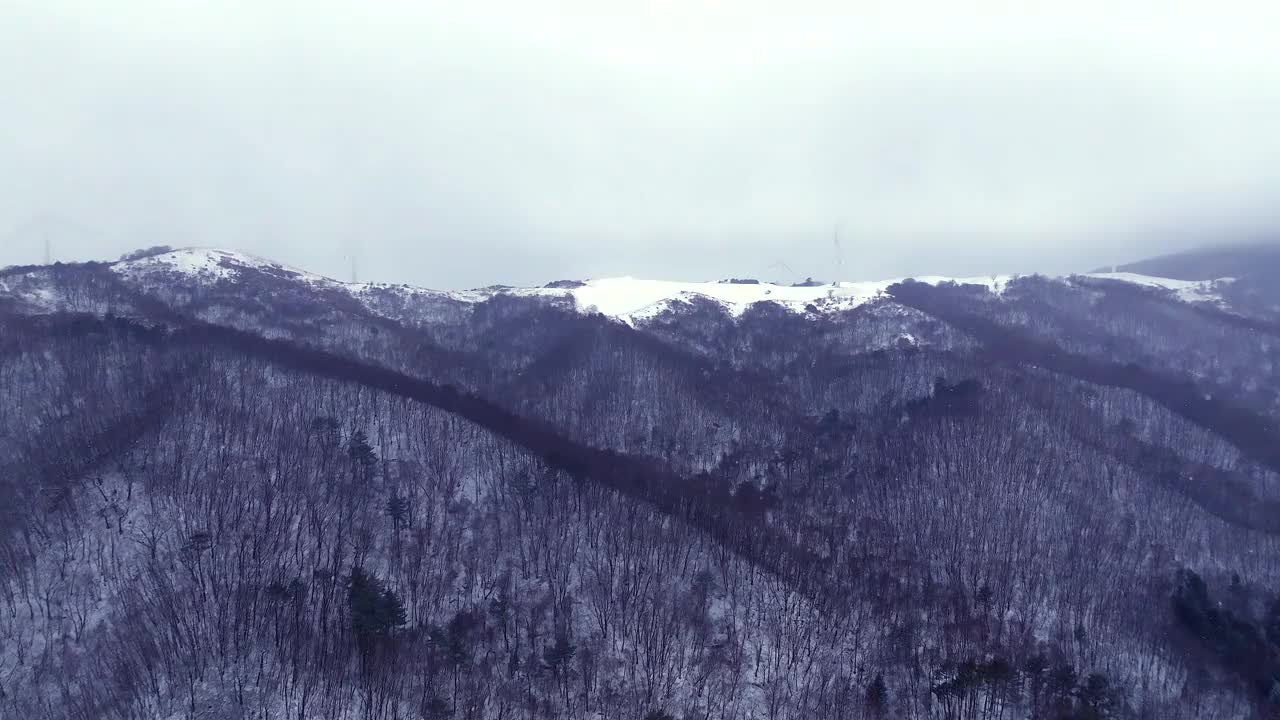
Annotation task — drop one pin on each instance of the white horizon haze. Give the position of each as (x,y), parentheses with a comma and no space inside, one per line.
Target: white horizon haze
(449,145)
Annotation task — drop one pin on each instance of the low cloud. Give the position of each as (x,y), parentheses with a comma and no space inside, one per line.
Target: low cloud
(456,148)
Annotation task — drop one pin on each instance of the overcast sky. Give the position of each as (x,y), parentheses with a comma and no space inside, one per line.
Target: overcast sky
(466,143)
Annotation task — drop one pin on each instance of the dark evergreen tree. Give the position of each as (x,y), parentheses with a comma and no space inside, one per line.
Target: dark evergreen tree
(1238,643)
(1035,671)
(398,510)
(1096,699)
(436,708)
(1060,690)
(375,611)
(361,452)
(558,655)
(877,696)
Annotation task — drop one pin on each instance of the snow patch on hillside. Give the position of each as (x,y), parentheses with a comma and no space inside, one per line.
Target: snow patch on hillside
(410,292)
(201,263)
(1185,290)
(212,264)
(631,299)
(33,290)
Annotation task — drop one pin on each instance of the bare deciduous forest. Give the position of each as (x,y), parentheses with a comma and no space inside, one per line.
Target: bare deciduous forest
(260,498)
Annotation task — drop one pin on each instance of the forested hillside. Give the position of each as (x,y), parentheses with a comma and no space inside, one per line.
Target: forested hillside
(239,491)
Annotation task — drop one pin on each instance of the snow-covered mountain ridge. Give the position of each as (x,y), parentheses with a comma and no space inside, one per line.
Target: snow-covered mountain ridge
(626,299)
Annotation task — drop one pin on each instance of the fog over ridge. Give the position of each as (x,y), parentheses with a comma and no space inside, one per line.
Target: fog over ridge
(455,147)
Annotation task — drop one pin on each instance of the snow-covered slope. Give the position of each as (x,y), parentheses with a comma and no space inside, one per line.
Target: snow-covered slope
(626,299)
(1186,290)
(230,271)
(633,300)
(212,264)
(200,263)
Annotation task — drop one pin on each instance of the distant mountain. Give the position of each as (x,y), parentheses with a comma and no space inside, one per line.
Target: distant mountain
(1254,269)
(1211,262)
(234,489)
(630,300)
